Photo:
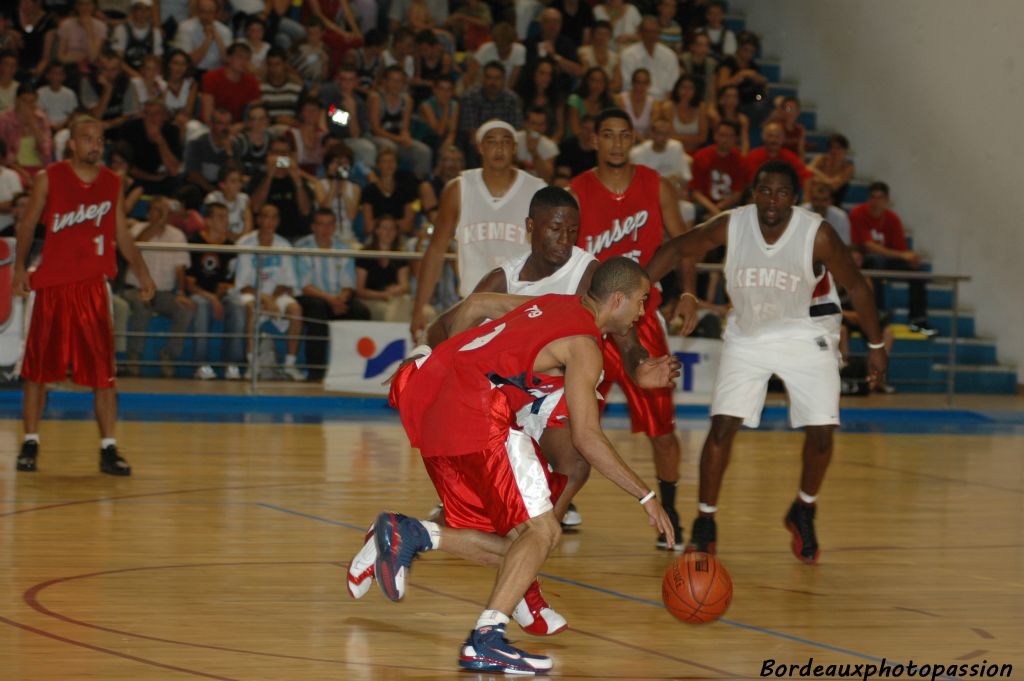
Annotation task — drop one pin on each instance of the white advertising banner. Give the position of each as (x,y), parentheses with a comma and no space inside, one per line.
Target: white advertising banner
(11,308)
(365,354)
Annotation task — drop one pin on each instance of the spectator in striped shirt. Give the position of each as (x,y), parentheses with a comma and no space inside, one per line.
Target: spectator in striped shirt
(278,91)
(327,286)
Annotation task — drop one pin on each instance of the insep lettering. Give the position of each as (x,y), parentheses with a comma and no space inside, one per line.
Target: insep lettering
(766,277)
(619,231)
(92,212)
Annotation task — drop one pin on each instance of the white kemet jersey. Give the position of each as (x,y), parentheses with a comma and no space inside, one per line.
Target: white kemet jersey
(491,229)
(774,291)
(566,280)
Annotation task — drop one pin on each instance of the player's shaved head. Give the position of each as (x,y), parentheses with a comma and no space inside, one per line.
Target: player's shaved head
(551,197)
(617,275)
(79,122)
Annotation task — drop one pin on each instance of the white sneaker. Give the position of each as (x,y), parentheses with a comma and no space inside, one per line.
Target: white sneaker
(293,373)
(572,517)
(205,373)
(233,373)
(360,570)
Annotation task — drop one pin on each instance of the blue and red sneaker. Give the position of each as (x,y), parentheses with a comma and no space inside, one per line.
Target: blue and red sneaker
(487,650)
(360,570)
(400,539)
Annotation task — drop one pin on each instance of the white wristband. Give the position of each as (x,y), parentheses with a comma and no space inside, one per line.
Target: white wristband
(647,497)
(877,346)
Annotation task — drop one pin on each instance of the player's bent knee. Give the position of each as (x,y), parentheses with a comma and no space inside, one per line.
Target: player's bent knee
(723,429)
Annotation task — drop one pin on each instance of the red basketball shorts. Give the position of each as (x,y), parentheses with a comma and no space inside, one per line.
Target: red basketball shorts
(498,488)
(650,411)
(70,327)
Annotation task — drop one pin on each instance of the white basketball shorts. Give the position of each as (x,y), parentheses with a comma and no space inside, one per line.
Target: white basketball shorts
(809,368)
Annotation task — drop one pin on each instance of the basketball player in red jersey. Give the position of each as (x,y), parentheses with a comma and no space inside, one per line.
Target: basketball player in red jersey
(458,407)
(69,321)
(625,210)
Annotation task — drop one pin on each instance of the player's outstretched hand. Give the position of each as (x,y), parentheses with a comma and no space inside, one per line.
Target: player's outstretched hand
(686,309)
(878,363)
(147,289)
(19,284)
(659,519)
(658,372)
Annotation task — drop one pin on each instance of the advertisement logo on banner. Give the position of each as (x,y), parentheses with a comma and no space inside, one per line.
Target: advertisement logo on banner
(376,364)
(364,354)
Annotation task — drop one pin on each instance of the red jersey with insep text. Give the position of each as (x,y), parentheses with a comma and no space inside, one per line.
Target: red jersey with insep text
(628,224)
(446,405)
(80,219)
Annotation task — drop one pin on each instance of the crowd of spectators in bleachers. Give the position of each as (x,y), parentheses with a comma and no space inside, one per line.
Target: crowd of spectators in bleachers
(335,123)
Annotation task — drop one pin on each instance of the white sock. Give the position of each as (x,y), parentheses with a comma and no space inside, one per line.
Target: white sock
(707,509)
(491,618)
(289,360)
(107,441)
(434,530)
(807,498)
(31,437)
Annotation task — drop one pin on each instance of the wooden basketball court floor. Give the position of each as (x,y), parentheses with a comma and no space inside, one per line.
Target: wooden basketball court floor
(223,558)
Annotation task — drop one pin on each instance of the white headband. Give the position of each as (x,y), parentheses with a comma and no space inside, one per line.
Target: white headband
(491,125)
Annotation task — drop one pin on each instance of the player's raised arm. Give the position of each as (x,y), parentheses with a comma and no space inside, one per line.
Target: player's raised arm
(25,232)
(690,246)
(583,365)
(831,252)
(433,258)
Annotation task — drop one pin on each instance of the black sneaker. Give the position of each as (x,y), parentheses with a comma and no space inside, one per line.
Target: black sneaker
(111,462)
(673,515)
(923,328)
(703,535)
(800,523)
(26,460)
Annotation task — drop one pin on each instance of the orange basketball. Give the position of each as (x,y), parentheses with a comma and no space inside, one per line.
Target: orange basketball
(697,588)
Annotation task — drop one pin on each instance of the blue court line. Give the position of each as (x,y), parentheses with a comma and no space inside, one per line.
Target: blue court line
(321,519)
(316,409)
(617,594)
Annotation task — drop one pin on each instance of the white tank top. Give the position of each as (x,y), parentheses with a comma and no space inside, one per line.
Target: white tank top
(566,280)
(774,291)
(491,229)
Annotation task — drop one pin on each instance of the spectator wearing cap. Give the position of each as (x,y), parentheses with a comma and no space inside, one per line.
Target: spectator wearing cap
(232,86)
(137,37)
(204,38)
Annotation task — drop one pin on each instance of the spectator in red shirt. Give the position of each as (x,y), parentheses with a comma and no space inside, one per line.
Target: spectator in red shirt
(878,231)
(773,136)
(719,171)
(232,86)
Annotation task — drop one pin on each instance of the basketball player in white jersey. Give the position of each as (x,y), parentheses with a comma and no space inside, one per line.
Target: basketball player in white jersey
(482,209)
(779,268)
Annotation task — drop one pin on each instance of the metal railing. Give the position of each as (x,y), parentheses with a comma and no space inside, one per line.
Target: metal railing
(894,275)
